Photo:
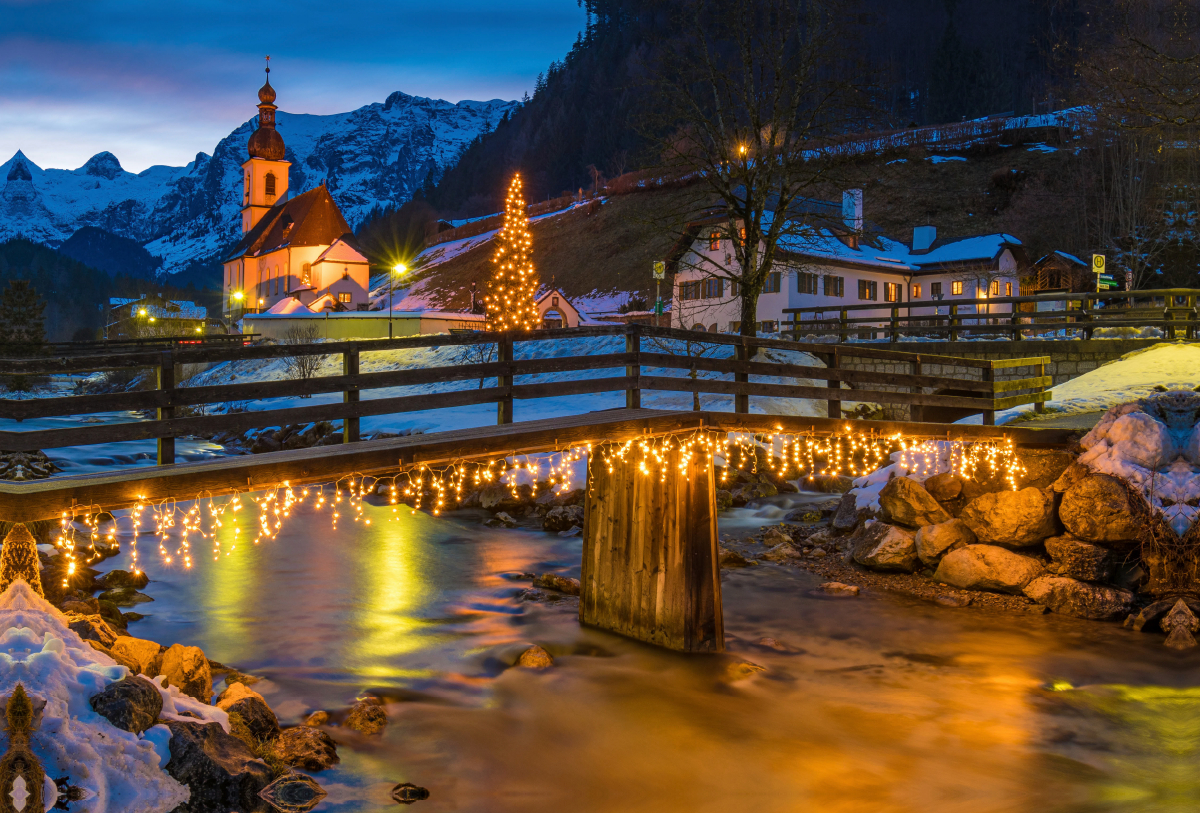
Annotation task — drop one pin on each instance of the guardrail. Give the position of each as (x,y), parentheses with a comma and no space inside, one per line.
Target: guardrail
(1068,316)
(644,370)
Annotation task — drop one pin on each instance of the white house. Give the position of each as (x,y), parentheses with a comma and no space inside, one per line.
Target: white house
(830,257)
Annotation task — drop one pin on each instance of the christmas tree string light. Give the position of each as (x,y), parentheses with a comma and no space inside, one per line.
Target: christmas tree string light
(510,297)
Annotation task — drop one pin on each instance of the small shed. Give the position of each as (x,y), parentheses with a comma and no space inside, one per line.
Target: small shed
(556,309)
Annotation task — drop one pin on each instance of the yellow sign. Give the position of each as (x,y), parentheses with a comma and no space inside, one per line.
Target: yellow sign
(660,269)
(1098,263)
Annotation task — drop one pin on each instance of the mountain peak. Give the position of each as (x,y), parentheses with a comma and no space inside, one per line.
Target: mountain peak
(103,165)
(17,171)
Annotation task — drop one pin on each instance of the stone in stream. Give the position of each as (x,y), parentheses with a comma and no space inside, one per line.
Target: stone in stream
(131,704)
(367,716)
(147,655)
(880,546)
(501,520)
(305,747)
(1098,509)
(497,497)
(935,541)
(904,501)
(535,658)
(1070,597)
(91,627)
(753,491)
(317,718)
(187,669)
(1078,559)
(563,518)
(1180,624)
(219,769)
(840,589)
(944,487)
(724,500)
(124,596)
(988,567)
(234,676)
(123,578)
(1015,518)
(406,793)
(293,793)
(553,581)
(248,704)
(848,515)
(732,558)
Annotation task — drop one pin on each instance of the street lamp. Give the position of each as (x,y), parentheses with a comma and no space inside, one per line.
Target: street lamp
(398,270)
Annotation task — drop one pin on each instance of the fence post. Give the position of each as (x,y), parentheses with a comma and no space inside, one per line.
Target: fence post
(351,394)
(1016,325)
(504,352)
(916,412)
(166,383)
(633,344)
(834,408)
(1041,406)
(1190,331)
(954,323)
(989,415)
(843,336)
(895,337)
(741,401)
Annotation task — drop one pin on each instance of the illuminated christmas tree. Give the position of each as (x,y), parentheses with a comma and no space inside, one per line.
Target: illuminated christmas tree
(510,297)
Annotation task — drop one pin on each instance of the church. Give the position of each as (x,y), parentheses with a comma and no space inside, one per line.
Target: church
(299,249)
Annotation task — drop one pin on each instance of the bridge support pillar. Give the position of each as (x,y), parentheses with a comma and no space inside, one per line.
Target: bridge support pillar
(650,568)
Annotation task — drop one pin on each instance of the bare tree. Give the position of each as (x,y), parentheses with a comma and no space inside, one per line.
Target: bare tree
(476,353)
(302,367)
(755,90)
(694,349)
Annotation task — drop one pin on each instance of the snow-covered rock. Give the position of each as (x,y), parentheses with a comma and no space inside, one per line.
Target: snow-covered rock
(375,156)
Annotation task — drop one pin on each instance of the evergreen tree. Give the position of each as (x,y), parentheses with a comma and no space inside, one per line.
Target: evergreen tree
(509,300)
(22,320)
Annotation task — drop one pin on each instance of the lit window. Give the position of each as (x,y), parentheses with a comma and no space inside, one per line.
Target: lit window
(344,298)
(868,290)
(916,291)
(1008,289)
(714,241)
(995,287)
(269,185)
(956,288)
(891,291)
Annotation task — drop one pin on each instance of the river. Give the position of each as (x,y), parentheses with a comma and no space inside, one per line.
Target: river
(876,703)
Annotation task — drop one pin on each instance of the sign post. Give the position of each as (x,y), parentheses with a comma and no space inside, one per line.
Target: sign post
(660,271)
(1098,270)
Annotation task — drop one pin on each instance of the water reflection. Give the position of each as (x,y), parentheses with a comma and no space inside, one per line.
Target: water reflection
(879,703)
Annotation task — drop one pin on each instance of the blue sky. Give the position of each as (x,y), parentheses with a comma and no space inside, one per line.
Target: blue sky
(156,81)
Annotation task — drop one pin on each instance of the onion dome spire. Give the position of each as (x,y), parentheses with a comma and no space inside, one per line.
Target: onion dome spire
(266,142)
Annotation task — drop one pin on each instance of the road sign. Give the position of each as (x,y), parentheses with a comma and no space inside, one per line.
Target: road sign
(1098,263)
(660,269)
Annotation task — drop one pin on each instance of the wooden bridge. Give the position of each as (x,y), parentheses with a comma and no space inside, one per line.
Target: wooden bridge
(650,567)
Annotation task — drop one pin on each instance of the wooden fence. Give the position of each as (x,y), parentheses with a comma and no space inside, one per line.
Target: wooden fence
(1172,311)
(671,350)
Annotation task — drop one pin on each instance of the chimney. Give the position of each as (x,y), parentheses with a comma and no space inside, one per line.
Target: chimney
(852,210)
(923,237)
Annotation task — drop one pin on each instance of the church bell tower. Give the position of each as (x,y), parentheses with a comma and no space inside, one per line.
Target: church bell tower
(265,172)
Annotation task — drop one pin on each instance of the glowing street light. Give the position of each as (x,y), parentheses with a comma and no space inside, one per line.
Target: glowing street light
(398,270)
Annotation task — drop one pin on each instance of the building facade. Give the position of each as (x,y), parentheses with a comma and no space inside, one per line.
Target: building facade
(300,248)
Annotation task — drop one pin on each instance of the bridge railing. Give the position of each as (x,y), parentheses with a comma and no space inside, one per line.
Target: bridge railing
(1170,313)
(651,359)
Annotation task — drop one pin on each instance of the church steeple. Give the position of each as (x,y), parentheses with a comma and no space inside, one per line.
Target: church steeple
(265,176)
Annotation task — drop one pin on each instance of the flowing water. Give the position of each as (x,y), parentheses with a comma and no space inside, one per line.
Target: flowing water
(877,703)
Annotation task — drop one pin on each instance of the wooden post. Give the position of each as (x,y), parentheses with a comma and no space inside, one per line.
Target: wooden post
(1040,406)
(741,401)
(633,344)
(350,395)
(915,411)
(504,352)
(954,323)
(834,409)
(1087,317)
(1016,325)
(895,326)
(166,383)
(989,415)
(843,334)
(650,568)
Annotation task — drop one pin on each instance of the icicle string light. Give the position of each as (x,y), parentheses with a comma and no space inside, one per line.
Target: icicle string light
(788,455)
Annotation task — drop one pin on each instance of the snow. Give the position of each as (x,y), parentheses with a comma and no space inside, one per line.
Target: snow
(944,159)
(287,306)
(119,770)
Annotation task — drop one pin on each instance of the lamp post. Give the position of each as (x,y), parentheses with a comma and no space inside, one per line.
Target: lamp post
(397,271)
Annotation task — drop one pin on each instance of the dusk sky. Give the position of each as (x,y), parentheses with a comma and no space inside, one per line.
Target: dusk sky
(156,82)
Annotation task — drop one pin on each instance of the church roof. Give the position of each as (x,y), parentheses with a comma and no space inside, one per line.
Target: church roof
(310,219)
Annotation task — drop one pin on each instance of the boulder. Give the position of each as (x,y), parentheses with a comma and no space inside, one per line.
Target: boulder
(305,747)
(124,596)
(1078,559)
(535,658)
(1098,509)
(1043,467)
(187,669)
(753,491)
(732,558)
(367,716)
(318,717)
(563,518)
(1070,476)
(92,628)
(257,716)
(904,501)
(724,500)
(1016,518)
(935,541)
(880,546)
(219,770)
(988,567)
(945,486)
(840,589)
(497,497)
(123,578)
(1072,597)
(406,793)
(827,483)
(146,654)
(553,581)
(502,520)
(131,704)
(848,515)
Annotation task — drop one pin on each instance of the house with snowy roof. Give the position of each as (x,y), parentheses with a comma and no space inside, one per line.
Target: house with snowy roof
(153,315)
(831,256)
(301,248)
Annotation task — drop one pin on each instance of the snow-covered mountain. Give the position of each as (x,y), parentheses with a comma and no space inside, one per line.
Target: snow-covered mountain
(377,155)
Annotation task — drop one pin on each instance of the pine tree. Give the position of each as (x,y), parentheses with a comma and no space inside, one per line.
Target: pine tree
(510,298)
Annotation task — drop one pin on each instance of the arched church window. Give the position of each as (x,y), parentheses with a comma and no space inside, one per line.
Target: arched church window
(306,273)
(269,184)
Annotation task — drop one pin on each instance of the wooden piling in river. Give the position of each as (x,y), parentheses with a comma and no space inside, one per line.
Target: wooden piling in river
(650,568)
